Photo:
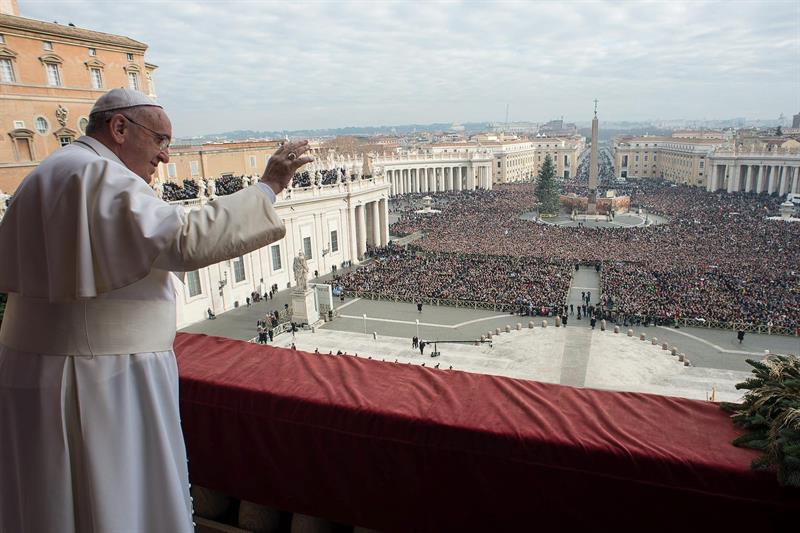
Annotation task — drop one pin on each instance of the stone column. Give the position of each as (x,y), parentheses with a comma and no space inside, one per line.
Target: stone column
(758,178)
(352,237)
(471,178)
(383,209)
(771,182)
(457,173)
(795,180)
(423,180)
(787,180)
(748,186)
(732,177)
(361,231)
(376,223)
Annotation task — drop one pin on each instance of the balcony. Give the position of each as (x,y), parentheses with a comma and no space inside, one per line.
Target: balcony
(397,447)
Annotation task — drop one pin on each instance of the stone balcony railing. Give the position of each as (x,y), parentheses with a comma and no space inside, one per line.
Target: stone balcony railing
(300,194)
(400,159)
(778,153)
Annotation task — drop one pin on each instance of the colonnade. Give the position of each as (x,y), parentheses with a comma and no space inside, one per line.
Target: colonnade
(759,178)
(369,225)
(439,178)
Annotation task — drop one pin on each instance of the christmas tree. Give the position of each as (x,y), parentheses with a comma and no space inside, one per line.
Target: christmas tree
(771,415)
(547,188)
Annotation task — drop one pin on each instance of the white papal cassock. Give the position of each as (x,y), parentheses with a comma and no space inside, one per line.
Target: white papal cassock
(90,437)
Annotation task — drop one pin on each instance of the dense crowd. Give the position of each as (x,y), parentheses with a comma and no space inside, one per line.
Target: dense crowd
(408,275)
(321,177)
(173,192)
(718,258)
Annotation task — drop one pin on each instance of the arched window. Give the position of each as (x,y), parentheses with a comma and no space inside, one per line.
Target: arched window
(41,125)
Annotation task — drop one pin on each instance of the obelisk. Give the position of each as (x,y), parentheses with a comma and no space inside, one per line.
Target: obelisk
(591,208)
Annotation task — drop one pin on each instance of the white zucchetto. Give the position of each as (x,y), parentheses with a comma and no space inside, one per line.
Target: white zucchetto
(121,98)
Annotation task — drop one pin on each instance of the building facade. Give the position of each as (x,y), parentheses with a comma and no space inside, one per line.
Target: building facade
(755,169)
(637,157)
(744,163)
(331,224)
(216,160)
(436,171)
(50,76)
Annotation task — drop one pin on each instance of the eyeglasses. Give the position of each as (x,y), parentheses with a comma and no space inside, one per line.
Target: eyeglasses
(163,140)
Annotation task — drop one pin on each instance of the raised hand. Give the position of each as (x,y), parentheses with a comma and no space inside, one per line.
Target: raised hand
(284,163)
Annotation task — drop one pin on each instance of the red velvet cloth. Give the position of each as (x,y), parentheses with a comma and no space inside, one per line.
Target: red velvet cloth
(397,447)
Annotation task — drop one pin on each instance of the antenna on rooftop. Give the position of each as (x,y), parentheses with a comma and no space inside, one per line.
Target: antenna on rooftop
(506,128)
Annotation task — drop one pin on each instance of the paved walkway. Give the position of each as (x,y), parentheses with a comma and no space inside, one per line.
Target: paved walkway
(709,348)
(578,344)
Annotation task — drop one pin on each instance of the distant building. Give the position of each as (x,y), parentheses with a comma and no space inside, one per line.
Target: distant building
(698,134)
(50,76)
(796,121)
(747,162)
(519,159)
(558,128)
(216,160)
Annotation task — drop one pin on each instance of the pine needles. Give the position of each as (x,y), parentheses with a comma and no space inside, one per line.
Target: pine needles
(771,415)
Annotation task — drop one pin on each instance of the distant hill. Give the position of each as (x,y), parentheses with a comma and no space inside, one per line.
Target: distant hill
(404,129)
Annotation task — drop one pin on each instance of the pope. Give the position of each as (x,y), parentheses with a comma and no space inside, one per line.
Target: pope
(90,435)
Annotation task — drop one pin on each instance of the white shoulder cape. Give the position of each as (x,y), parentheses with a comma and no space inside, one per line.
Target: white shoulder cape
(82,224)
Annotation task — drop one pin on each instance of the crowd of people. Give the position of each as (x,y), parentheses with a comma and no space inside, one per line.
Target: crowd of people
(410,275)
(191,189)
(321,177)
(718,258)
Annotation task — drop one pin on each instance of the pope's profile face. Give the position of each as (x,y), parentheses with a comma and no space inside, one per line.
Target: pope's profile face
(143,153)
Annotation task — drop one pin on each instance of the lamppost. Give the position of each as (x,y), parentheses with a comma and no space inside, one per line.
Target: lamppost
(417,321)
(365,323)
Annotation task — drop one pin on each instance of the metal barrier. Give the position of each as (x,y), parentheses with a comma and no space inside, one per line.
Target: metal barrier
(751,328)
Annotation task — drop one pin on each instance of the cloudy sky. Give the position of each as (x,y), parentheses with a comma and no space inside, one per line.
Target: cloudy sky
(264,65)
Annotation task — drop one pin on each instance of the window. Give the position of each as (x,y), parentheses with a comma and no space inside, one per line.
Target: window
(171,170)
(130,57)
(6,71)
(307,247)
(92,52)
(253,161)
(645,157)
(238,269)
(53,76)
(195,168)
(702,164)
(97,78)
(19,124)
(133,80)
(22,147)
(193,282)
(64,140)
(637,157)
(47,45)
(334,241)
(82,123)
(41,125)
(276,256)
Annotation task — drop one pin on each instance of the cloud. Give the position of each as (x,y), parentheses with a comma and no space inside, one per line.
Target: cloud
(272,65)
